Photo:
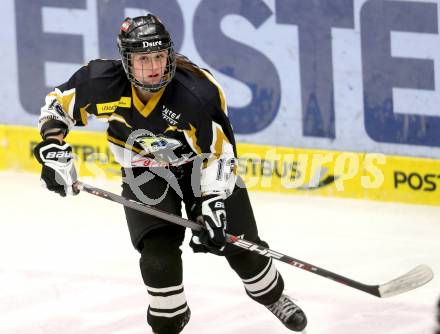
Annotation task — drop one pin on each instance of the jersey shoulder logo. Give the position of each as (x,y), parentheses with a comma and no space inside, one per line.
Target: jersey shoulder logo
(109,107)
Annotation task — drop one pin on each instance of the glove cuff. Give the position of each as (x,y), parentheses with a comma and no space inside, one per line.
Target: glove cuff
(53,128)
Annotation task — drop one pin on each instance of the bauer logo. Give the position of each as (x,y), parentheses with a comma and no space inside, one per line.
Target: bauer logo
(151,44)
(58,155)
(219,205)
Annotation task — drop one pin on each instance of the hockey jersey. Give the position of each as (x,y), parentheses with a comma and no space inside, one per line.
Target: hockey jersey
(185,120)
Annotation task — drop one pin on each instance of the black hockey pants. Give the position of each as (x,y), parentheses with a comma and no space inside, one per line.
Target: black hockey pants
(161,264)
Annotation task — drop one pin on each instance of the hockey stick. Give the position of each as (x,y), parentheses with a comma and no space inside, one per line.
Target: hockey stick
(413,279)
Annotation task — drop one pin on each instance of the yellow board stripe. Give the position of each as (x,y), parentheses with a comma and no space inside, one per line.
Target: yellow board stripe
(264,168)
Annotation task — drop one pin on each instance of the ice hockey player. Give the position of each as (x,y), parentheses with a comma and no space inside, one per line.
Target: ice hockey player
(168,128)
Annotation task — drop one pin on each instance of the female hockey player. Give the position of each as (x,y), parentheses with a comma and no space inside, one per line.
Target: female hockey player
(168,129)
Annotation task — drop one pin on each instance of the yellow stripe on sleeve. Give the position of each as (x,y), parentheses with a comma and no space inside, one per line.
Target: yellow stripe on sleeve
(192,139)
(220,91)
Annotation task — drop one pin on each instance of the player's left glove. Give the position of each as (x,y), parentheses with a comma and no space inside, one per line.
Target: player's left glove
(58,172)
(213,217)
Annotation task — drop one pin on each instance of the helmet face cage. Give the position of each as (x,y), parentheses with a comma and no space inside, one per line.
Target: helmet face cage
(147,36)
(166,72)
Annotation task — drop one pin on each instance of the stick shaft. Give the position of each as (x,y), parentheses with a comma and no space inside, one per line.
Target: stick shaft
(253,247)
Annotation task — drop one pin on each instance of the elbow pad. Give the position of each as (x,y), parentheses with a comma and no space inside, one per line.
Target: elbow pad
(219,176)
(53,120)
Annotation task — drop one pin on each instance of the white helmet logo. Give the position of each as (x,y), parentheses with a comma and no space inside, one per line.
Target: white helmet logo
(150,44)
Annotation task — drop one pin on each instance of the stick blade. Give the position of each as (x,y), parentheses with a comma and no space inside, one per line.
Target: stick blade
(413,279)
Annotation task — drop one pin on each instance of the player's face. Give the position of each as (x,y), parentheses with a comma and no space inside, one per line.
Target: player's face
(149,67)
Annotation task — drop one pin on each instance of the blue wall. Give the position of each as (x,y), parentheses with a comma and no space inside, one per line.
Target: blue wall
(340,74)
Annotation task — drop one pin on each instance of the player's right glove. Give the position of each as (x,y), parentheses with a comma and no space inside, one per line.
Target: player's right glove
(58,173)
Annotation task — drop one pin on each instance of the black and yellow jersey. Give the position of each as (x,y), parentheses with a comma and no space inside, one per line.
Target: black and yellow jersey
(185,119)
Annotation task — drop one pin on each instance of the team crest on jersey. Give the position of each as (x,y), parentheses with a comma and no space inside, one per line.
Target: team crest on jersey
(170,116)
(158,143)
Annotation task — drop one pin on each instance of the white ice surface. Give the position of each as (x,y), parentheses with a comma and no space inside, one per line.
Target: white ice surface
(67,266)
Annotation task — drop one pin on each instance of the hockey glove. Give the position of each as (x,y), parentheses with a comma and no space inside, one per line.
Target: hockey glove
(213,217)
(58,173)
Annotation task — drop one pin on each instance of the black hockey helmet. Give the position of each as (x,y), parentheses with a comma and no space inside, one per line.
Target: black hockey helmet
(146,34)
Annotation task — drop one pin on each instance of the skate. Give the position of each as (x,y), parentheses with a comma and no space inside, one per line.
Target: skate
(174,328)
(289,313)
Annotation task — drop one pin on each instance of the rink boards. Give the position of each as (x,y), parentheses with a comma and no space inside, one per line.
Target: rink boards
(264,168)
